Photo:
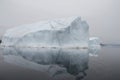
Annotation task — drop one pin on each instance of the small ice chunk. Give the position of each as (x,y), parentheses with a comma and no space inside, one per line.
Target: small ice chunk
(94,46)
(94,41)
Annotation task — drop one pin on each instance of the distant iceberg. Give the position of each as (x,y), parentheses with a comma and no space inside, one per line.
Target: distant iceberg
(64,32)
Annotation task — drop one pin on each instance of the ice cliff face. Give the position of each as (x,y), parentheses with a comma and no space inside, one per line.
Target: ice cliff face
(64,32)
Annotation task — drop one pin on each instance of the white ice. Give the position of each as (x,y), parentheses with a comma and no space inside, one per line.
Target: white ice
(64,32)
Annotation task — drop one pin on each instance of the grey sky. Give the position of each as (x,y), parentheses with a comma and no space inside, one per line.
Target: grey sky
(103,16)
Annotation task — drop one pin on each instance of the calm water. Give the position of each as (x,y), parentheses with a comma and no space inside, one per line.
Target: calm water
(59,64)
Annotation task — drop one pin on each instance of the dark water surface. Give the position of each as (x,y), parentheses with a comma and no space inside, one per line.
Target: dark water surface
(106,66)
(59,64)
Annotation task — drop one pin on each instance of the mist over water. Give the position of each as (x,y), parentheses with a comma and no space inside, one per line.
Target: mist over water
(103,17)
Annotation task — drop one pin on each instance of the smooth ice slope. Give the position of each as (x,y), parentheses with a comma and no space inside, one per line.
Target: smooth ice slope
(64,32)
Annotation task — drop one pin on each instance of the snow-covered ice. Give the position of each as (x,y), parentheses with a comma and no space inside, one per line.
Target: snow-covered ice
(63,32)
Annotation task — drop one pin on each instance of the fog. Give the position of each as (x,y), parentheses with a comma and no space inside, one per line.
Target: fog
(103,16)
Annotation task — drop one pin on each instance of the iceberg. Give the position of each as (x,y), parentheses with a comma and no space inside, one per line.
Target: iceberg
(28,46)
(63,32)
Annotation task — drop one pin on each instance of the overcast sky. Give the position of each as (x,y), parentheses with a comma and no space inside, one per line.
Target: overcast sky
(103,16)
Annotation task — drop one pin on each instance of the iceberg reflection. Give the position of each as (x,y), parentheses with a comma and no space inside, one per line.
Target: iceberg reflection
(56,62)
